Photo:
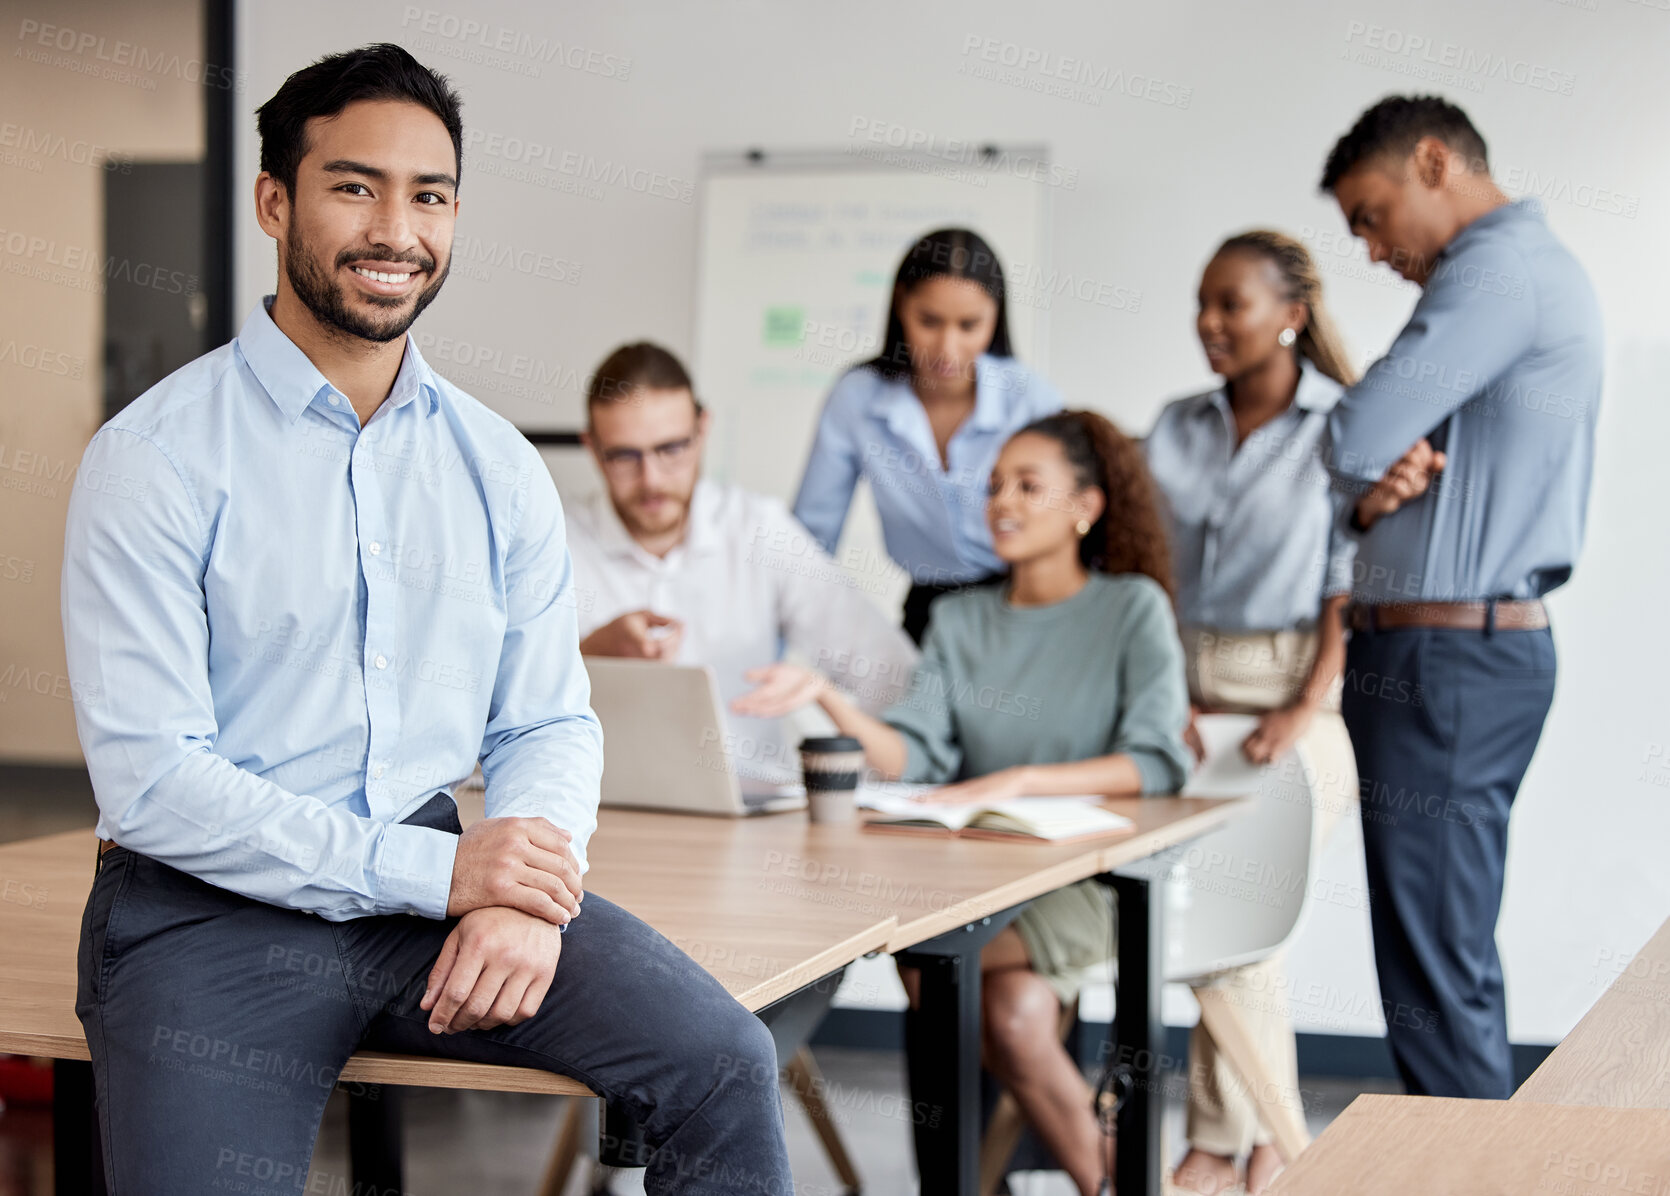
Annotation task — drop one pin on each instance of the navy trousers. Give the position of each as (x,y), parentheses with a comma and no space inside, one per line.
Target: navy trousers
(218,1026)
(1444,723)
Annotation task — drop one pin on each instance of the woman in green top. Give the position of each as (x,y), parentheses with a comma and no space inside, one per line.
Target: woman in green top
(1068,678)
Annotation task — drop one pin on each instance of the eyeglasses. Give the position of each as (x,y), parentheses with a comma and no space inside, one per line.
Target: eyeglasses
(631,460)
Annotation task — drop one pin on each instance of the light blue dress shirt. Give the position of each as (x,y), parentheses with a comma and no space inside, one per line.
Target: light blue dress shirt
(1500,365)
(933,516)
(286,632)
(1255,544)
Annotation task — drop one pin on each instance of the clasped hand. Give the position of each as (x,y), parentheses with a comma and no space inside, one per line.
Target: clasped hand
(515,883)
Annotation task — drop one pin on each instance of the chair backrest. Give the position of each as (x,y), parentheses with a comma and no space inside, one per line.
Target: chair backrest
(1238,892)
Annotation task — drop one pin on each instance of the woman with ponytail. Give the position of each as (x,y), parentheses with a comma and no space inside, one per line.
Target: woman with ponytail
(1263,574)
(1065,678)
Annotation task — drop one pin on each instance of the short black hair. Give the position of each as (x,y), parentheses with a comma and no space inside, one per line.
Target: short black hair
(383,71)
(1391,128)
(642,364)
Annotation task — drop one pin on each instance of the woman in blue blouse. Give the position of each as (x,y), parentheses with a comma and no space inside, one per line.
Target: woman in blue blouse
(1263,572)
(924,419)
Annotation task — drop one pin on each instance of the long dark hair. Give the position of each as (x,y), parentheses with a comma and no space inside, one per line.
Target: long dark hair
(943,253)
(1130,534)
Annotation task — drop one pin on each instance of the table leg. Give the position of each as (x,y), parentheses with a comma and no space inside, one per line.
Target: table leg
(942,1053)
(375,1140)
(1139,1035)
(77,1162)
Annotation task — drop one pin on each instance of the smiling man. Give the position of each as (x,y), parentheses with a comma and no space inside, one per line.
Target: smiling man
(329,583)
(1467,452)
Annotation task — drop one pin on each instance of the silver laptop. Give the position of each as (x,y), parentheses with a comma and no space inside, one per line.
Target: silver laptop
(666,746)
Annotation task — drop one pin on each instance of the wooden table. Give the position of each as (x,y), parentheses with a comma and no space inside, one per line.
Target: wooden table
(1440,1146)
(1593,1119)
(1619,1054)
(767,905)
(950,896)
(760,953)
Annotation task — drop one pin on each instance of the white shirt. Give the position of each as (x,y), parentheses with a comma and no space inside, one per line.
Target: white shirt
(747,582)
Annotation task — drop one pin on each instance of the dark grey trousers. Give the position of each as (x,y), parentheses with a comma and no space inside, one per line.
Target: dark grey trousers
(1444,723)
(218,1026)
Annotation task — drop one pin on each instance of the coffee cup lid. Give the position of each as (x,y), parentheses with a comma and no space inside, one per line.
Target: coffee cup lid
(831,743)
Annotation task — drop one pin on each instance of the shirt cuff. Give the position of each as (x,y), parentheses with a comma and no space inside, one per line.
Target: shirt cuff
(414,870)
(1159,773)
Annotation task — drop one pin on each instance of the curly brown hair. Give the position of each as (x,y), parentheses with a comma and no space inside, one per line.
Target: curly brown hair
(1130,535)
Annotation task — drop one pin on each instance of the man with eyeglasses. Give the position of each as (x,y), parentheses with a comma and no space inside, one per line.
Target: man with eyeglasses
(671,567)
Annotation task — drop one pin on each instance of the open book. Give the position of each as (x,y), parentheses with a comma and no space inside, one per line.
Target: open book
(1051,819)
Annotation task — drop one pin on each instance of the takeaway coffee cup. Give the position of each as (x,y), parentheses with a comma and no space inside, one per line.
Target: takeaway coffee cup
(830,767)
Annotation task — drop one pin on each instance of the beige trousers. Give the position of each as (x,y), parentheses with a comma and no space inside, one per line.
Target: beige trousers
(1250,673)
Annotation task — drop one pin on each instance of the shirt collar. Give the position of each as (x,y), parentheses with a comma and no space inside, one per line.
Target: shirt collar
(991,381)
(1316,392)
(1528,208)
(292,381)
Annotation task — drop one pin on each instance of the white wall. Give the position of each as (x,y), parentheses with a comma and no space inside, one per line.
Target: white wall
(1235,107)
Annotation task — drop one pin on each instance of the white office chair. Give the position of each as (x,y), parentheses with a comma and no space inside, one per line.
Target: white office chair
(1215,920)
(1239,895)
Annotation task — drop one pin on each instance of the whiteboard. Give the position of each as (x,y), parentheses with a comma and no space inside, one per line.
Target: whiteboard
(797,253)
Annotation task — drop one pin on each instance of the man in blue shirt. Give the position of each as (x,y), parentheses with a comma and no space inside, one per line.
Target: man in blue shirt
(1466,455)
(308,583)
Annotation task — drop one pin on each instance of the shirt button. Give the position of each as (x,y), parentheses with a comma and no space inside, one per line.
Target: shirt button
(381,662)
(377,772)
(375,548)
(334,401)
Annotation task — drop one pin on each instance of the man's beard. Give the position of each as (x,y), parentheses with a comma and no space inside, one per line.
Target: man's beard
(323,295)
(673,514)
